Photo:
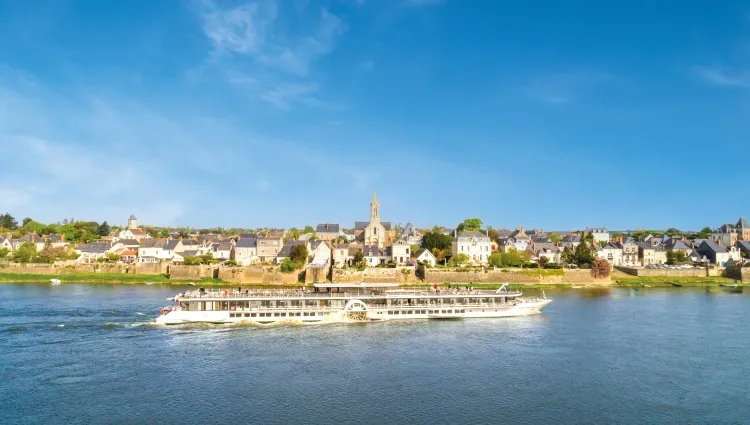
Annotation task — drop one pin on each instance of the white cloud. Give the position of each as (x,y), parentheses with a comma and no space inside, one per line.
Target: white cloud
(719,77)
(279,71)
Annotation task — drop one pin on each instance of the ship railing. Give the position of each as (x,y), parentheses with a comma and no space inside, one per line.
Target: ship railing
(308,294)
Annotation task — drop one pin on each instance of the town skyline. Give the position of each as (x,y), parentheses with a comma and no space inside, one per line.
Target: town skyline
(277,113)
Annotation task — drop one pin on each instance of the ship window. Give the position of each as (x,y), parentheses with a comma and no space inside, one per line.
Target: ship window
(276,315)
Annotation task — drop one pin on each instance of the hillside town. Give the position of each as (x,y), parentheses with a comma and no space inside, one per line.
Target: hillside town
(377,243)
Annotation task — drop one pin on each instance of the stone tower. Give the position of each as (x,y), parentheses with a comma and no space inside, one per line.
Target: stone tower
(374,208)
(132,222)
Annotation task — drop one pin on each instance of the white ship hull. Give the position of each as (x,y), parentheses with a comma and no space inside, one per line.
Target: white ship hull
(361,314)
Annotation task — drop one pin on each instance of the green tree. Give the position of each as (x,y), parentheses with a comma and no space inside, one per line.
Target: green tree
(8,222)
(493,234)
(299,254)
(25,220)
(230,263)
(584,255)
(543,261)
(676,257)
(288,266)
(46,255)
(103,229)
(359,257)
(470,224)
(413,249)
(433,240)
(555,238)
(113,257)
(513,258)
(4,252)
(673,232)
(705,233)
(308,229)
(25,253)
(459,259)
(495,260)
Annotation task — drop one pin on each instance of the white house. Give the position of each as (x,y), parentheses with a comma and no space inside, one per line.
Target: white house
(152,251)
(476,245)
(320,253)
(246,251)
(612,252)
(425,256)
(600,235)
(400,251)
(224,250)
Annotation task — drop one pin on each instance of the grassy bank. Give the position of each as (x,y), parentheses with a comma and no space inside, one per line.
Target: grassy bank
(668,281)
(102,278)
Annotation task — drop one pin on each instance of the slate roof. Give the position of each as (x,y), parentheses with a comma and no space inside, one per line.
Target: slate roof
(315,244)
(540,239)
(708,245)
(678,245)
(286,250)
(191,253)
(519,234)
(224,246)
(743,223)
(371,251)
(129,242)
(153,243)
(630,241)
(645,245)
(94,247)
(327,228)
(612,245)
(472,234)
(360,225)
(744,245)
(571,239)
(189,242)
(171,244)
(246,243)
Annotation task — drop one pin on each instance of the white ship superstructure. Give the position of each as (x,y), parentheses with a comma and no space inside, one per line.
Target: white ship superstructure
(345,302)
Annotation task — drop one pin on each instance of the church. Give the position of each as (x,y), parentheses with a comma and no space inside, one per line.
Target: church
(374,232)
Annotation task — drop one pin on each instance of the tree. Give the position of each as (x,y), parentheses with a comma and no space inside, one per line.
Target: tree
(230,263)
(600,268)
(25,221)
(495,260)
(672,232)
(493,234)
(459,260)
(469,225)
(512,258)
(439,254)
(584,255)
(288,266)
(359,257)
(432,240)
(555,238)
(8,222)
(705,233)
(308,229)
(103,229)
(25,253)
(4,252)
(299,254)
(413,249)
(676,257)
(543,261)
(113,257)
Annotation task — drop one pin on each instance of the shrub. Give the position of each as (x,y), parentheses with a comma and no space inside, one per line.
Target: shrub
(552,266)
(289,266)
(458,260)
(601,268)
(230,263)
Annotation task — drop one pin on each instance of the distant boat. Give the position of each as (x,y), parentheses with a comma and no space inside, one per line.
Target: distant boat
(149,283)
(55,281)
(191,283)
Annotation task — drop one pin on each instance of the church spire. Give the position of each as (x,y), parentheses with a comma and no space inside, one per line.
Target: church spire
(374,207)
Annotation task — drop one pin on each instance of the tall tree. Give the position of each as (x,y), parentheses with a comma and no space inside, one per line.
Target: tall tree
(705,233)
(432,240)
(25,253)
(299,254)
(470,224)
(584,255)
(25,221)
(493,234)
(8,222)
(103,229)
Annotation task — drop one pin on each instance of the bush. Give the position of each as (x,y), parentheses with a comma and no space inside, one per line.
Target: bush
(601,268)
(458,260)
(552,266)
(289,266)
(230,263)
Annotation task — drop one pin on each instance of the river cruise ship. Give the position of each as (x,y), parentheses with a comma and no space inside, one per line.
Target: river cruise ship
(345,302)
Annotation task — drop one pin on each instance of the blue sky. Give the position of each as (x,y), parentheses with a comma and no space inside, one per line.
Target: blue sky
(286,113)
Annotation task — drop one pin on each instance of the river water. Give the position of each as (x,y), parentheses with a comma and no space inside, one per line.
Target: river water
(86,354)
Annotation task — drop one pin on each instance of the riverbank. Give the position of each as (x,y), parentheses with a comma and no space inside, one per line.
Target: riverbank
(135,279)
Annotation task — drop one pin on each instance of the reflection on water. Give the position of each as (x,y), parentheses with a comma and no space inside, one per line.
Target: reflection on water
(602,355)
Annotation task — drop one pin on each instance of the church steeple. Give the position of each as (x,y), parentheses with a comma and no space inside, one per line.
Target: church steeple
(374,208)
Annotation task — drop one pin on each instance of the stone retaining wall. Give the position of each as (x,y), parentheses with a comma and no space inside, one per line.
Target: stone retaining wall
(192,272)
(642,271)
(52,269)
(151,268)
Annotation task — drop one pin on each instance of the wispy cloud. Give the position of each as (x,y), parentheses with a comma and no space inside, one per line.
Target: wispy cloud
(563,88)
(279,71)
(719,77)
